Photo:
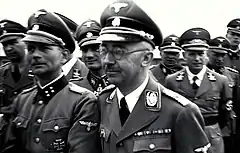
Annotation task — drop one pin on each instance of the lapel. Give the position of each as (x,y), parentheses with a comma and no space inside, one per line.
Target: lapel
(186,87)
(9,81)
(205,85)
(158,73)
(141,116)
(24,80)
(112,111)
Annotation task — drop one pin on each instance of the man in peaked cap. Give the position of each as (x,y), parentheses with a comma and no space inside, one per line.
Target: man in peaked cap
(233,35)
(139,114)
(87,35)
(170,53)
(218,49)
(15,76)
(55,115)
(207,89)
(73,68)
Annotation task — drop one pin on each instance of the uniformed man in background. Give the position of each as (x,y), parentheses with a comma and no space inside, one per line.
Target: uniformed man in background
(15,76)
(55,115)
(233,35)
(170,52)
(3,56)
(86,36)
(218,49)
(140,115)
(208,89)
(73,68)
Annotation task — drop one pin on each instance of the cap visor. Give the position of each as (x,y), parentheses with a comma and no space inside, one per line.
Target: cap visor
(234,30)
(12,36)
(90,42)
(219,50)
(117,37)
(39,39)
(170,48)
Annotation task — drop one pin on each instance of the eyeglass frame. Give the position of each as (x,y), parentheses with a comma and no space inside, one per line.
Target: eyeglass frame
(122,54)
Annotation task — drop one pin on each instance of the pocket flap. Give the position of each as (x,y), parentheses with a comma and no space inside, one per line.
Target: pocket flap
(55,124)
(21,122)
(151,145)
(104,132)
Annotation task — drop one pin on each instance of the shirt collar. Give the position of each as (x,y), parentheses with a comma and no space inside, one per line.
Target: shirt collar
(200,75)
(132,97)
(68,66)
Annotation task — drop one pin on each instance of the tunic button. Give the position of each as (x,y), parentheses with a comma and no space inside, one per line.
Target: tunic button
(15,92)
(19,123)
(120,144)
(37,140)
(39,120)
(195,98)
(56,127)
(40,102)
(152,146)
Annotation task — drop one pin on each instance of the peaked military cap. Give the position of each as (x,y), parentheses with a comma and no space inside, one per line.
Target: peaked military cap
(219,44)
(87,33)
(195,39)
(11,30)
(171,44)
(47,27)
(70,23)
(124,20)
(234,26)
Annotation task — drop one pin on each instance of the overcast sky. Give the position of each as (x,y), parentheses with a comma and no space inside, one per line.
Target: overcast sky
(172,16)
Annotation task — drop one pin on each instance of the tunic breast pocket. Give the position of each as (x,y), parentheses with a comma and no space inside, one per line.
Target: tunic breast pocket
(21,122)
(157,145)
(55,134)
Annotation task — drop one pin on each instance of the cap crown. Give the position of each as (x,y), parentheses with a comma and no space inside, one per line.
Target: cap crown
(51,23)
(127,14)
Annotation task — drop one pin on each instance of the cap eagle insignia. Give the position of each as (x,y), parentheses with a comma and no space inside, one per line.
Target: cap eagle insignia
(118,6)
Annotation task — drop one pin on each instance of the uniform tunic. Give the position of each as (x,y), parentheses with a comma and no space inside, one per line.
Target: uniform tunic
(162,121)
(61,117)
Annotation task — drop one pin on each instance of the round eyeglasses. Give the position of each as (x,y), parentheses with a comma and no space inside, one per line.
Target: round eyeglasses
(118,53)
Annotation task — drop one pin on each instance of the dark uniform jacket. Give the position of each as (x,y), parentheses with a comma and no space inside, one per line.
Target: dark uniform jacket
(93,83)
(160,72)
(210,97)
(62,117)
(162,121)
(78,70)
(233,83)
(233,60)
(9,89)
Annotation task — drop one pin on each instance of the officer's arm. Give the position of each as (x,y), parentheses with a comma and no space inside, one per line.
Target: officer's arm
(189,131)
(8,137)
(83,135)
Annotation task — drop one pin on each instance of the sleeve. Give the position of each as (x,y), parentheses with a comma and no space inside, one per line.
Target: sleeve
(8,138)
(236,95)
(189,131)
(83,135)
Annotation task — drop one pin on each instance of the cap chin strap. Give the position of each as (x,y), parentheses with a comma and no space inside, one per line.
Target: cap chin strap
(48,35)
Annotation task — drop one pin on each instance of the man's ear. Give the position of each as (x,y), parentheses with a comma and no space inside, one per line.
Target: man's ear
(147,58)
(65,56)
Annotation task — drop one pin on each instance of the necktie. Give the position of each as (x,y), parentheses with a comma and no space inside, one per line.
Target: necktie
(194,85)
(123,111)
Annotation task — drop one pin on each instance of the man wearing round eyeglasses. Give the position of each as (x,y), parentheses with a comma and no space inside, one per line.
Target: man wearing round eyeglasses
(139,114)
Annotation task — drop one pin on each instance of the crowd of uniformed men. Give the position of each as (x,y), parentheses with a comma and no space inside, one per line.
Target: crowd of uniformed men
(113,99)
